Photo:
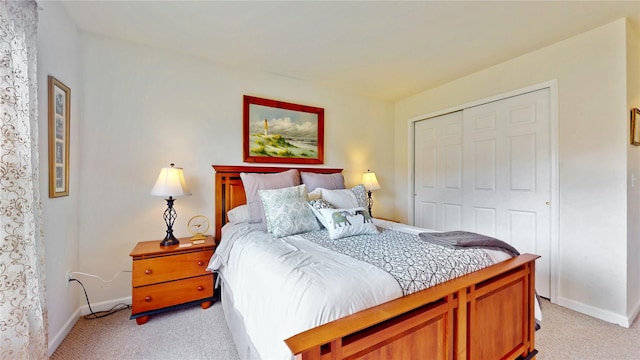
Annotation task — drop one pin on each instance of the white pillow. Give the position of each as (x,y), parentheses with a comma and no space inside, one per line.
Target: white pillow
(340,199)
(314,195)
(239,214)
(348,222)
(287,212)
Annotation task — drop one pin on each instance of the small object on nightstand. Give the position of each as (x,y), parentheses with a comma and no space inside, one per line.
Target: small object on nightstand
(198,225)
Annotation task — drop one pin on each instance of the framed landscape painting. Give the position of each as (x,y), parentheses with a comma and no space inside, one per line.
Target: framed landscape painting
(59,109)
(281,132)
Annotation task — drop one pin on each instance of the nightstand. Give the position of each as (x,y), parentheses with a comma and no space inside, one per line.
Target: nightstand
(166,278)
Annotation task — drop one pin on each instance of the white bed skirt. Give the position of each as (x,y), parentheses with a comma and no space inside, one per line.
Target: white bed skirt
(243,343)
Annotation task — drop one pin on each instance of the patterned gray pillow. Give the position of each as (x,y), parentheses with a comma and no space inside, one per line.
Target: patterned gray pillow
(361,195)
(286,211)
(318,204)
(253,182)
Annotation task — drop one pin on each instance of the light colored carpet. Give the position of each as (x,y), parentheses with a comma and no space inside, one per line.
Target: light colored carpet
(187,334)
(566,334)
(194,333)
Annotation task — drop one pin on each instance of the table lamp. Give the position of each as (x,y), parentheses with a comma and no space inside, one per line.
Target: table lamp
(370,183)
(170,183)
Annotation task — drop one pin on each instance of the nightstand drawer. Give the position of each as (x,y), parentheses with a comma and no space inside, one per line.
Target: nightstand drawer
(168,294)
(167,268)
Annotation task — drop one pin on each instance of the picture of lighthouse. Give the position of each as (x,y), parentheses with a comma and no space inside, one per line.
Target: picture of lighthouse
(280,134)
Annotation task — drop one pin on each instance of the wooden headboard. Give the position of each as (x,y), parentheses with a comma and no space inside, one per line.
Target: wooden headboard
(230,192)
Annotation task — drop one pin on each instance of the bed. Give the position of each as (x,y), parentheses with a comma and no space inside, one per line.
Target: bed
(485,314)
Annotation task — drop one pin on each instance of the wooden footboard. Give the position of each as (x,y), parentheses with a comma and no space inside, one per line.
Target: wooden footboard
(488,314)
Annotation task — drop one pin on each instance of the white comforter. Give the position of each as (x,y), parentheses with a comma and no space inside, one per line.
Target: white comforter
(283,286)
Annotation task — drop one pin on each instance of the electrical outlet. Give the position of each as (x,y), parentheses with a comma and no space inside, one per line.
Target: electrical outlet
(67,277)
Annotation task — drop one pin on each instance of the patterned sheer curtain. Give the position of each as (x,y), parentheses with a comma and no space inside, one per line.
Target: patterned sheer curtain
(23,328)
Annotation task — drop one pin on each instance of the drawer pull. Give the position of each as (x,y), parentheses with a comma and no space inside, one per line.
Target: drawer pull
(200,288)
(147,271)
(147,299)
(200,263)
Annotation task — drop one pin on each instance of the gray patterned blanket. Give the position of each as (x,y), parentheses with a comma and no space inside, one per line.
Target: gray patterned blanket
(470,240)
(414,263)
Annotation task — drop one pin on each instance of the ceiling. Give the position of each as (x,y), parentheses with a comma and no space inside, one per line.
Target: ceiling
(382,49)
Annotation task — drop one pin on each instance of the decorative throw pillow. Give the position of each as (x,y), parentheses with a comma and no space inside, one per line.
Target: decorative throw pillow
(326,181)
(348,222)
(239,214)
(318,204)
(361,195)
(340,199)
(253,182)
(286,211)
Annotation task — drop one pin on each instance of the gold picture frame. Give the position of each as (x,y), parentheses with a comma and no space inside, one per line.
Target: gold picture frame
(59,114)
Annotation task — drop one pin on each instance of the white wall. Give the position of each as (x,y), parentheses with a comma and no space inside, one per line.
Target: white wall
(135,110)
(58,56)
(633,163)
(592,153)
(143,108)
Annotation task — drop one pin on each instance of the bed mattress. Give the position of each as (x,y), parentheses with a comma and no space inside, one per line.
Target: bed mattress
(278,287)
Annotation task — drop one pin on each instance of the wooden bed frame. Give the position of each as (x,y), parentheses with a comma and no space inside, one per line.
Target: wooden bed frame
(487,314)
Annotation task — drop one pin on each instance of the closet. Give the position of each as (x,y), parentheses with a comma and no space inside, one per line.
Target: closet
(488,169)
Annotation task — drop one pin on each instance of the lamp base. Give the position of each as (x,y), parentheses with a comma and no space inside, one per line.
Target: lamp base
(169,240)
(169,217)
(369,202)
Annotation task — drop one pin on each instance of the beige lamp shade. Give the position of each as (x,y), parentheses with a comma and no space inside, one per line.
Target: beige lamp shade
(370,181)
(170,183)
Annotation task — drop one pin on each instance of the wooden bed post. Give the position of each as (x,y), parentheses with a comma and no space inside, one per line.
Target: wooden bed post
(461,326)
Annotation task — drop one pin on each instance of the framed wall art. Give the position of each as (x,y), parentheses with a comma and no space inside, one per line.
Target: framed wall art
(281,132)
(59,111)
(635,127)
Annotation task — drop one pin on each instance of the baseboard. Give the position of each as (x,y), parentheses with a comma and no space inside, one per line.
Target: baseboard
(634,313)
(595,312)
(66,328)
(104,306)
(81,311)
